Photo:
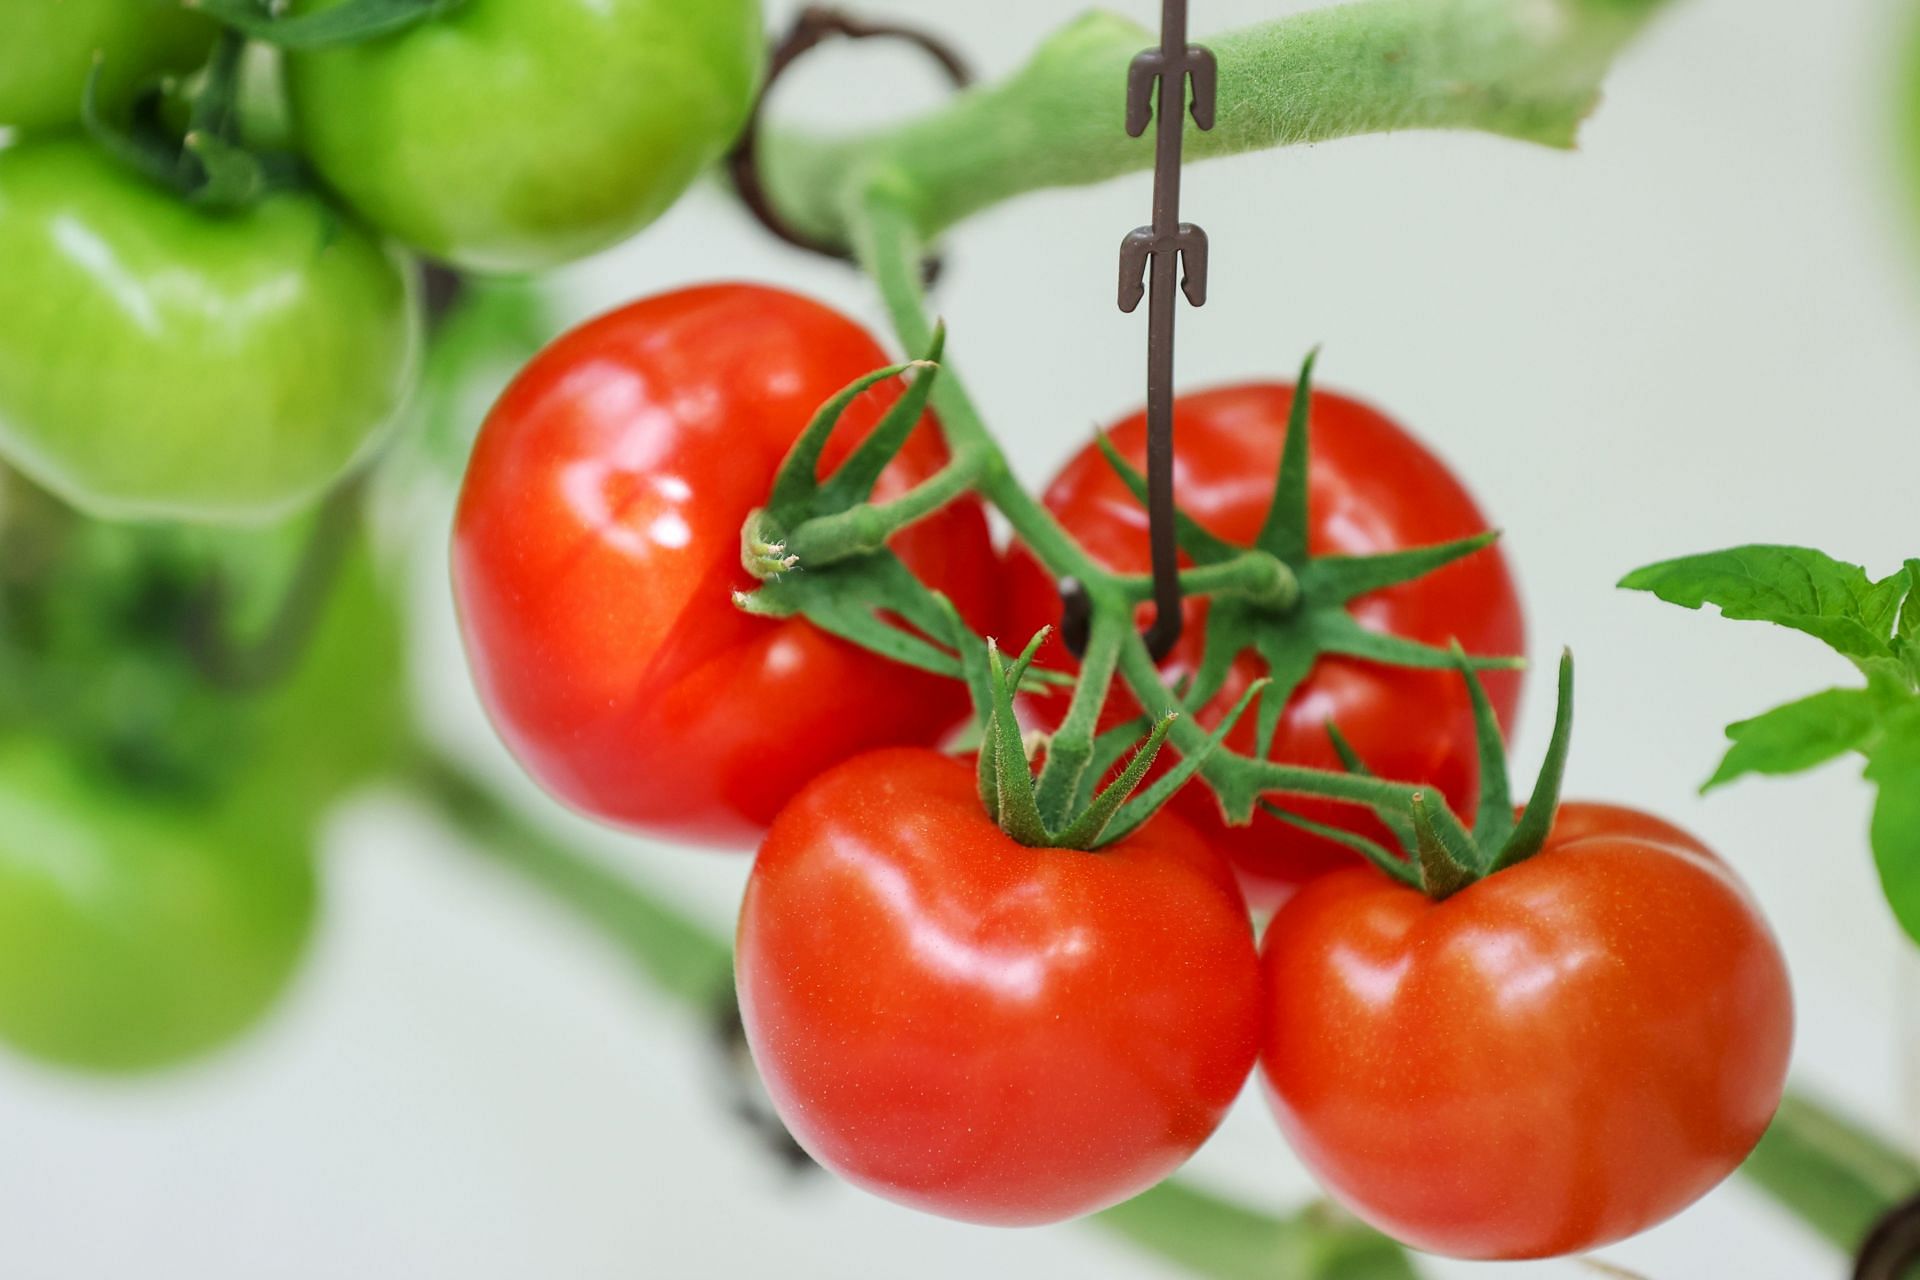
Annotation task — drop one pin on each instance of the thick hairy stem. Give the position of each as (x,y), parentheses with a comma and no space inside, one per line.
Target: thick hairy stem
(1526,69)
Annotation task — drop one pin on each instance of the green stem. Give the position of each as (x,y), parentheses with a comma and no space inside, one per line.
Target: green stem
(1070,750)
(866,528)
(1518,68)
(1829,1172)
(685,961)
(1261,577)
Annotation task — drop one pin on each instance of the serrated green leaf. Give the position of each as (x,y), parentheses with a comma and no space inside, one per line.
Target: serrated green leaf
(1795,587)
(1907,632)
(1284,532)
(1799,735)
(1201,547)
(1895,769)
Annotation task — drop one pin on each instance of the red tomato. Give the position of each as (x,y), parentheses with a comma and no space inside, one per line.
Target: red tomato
(597,549)
(1374,488)
(1556,1057)
(983,1030)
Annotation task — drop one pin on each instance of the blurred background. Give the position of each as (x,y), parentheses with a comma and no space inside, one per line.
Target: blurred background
(1701,329)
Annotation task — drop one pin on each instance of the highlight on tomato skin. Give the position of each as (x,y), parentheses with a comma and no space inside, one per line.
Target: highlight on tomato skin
(1559,1056)
(982,1030)
(596,553)
(1373,488)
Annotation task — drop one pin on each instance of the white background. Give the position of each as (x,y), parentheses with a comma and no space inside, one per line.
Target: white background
(1701,329)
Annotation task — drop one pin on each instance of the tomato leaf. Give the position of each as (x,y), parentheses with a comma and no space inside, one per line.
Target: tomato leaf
(1795,587)
(1906,634)
(1894,767)
(1284,532)
(1800,735)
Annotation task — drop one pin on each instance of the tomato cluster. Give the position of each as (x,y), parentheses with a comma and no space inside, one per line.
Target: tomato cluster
(210,307)
(960,1015)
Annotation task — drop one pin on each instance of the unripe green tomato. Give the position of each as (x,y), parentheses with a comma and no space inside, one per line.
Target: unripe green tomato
(159,360)
(47,49)
(138,930)
(516,135)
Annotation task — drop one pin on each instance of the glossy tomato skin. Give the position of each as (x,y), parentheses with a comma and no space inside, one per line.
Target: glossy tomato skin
(516,135)
(1374,488)
(982,1030)
(597,550)
(1556,1057)
(140,930)
(159,361)
(50,47)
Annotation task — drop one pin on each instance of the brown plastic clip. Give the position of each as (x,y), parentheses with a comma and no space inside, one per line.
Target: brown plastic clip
(1153,261)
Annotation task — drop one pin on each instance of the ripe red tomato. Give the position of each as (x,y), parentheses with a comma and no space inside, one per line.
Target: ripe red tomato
(597,549)
(1374,488)
(1558,1056)
(983,1030)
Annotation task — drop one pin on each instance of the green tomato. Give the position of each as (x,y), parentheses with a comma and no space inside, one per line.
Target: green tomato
(49,49)
(139,929)
(158,360)
(516,135)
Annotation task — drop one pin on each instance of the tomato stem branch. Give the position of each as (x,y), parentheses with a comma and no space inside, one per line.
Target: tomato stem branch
(1515,68)
(866,528)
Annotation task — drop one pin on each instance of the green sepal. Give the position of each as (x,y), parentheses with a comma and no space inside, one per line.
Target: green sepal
(1795,587)
(1401,869)
(1149,802)
(1338,579)
(797,482)
(1201,547)
(1284,532)
(1536,822)
(1339,632)
(848,600)
(1108,747)
(1801,734)
(1445,867)
(1014,806)
(1395,819)
(1087,831)
(1493,816)
(351,22)
(853,482)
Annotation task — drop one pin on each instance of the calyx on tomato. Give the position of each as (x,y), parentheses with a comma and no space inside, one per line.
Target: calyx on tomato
(207,164)
(1082,819)
(1442,855)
